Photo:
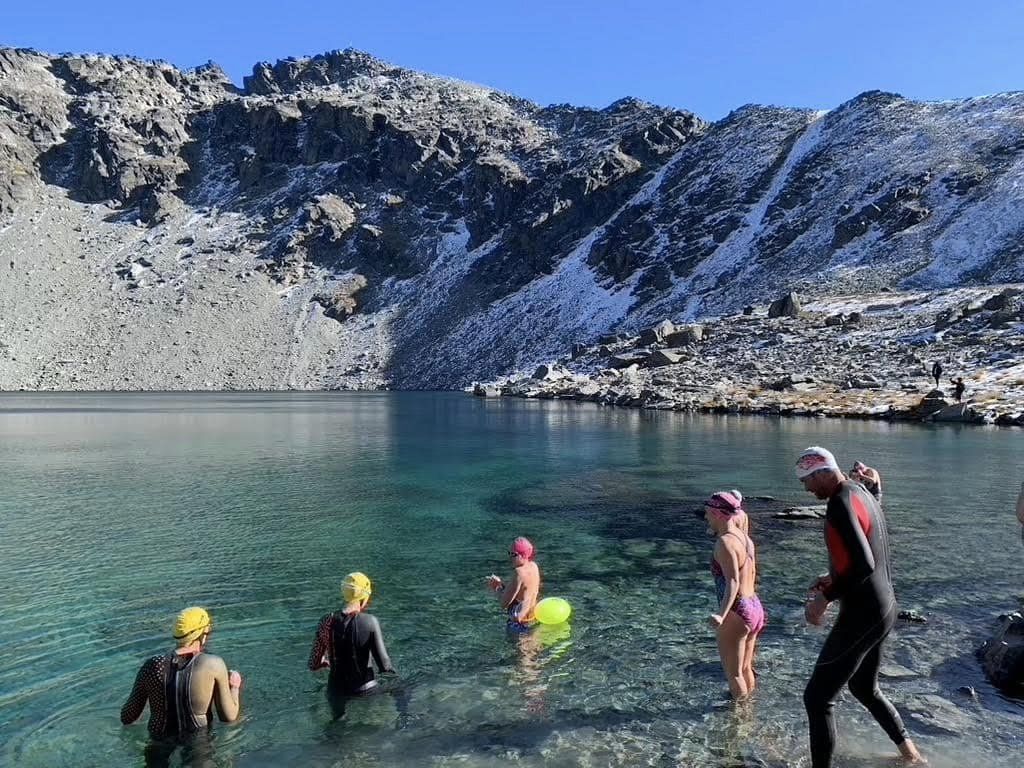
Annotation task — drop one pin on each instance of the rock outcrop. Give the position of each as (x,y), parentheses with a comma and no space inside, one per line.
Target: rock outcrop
(877,368)
(1002,656)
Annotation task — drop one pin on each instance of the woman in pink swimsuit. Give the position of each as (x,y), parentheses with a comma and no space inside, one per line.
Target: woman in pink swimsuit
(740,615)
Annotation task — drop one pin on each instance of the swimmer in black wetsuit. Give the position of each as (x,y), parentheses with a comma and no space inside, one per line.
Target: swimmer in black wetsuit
(183,686)
(346,642)
(860,578)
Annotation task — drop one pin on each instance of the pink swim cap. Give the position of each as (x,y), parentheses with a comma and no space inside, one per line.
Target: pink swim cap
(523,547)
(726,502)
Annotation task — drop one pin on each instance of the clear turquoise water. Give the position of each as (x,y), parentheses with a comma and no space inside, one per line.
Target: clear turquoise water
(118,510)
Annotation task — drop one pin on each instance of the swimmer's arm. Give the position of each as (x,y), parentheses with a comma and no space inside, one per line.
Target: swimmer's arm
(132,709)
(730,564)
(860,563)
(508,594)
(224,694)
(1020,505)
(379,651)
(318,654)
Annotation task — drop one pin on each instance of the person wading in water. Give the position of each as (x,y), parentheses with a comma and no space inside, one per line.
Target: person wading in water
(183,686)
(860,578)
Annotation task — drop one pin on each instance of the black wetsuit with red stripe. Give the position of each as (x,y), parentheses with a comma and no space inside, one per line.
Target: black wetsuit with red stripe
(858,548)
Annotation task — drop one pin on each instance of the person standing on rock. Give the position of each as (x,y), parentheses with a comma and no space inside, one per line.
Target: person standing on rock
(958,388)
(739,617)
(860,578)
(936,372)
(1020,510)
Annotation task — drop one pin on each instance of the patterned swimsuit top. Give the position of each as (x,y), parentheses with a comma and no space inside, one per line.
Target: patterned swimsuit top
(719,575)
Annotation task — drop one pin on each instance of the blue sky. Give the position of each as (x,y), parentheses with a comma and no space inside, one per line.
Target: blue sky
(708,57)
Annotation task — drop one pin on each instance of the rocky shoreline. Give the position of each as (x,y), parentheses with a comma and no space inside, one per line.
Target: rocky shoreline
(863,357)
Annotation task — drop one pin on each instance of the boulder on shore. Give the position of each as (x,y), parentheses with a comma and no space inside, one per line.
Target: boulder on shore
(657,333)
(1002,655)
(787,306)
(486,390)
(931,403)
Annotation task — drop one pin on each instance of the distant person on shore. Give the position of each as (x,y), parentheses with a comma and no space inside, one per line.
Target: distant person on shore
(958,388)
(739,617)
(183,685)
(936,372)
(868,477)
(349,642)
(1020,510)
(519,597)
(860,579)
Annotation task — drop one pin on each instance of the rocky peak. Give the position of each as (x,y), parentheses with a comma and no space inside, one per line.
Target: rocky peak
(331,68)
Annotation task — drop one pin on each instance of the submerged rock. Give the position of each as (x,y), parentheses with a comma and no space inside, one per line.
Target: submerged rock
(801,513)
(915,617)
(939,714)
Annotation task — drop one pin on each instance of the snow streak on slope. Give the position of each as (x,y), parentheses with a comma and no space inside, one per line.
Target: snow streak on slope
(571,300)
(735,253)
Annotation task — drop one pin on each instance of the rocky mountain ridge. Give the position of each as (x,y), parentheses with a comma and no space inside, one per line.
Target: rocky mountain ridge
(339,222)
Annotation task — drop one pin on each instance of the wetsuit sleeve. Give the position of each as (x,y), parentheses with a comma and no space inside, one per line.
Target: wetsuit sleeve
(850,556)
(321,643)
(380,653)
(136,703)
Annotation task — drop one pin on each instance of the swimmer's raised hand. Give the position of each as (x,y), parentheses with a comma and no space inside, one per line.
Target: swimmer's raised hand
(495,582)
(234,679)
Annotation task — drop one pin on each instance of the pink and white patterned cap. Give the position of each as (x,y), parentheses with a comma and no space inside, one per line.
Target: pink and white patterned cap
(813,460)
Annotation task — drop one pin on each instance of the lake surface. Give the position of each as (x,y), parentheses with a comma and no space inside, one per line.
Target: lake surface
(119,510)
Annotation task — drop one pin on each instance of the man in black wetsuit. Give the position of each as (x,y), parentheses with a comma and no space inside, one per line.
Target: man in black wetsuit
(346,641)
(860,578)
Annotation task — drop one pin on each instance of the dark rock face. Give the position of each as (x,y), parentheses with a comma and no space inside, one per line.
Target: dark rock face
(1002,656)
(498,233)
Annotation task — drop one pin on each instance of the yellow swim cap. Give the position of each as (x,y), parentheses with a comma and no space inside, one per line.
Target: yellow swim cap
(191,624)
(356,586)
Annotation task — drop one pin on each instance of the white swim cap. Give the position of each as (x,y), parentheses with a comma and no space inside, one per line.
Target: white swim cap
(813,460)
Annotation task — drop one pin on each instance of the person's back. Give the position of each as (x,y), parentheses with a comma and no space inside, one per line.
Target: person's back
(350,642)
(356,644)
(183,686)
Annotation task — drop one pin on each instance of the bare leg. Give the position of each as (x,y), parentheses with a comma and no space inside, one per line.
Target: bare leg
(732,637)
(748,661)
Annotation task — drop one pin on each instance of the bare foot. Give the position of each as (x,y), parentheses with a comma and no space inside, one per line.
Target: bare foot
(909,754)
